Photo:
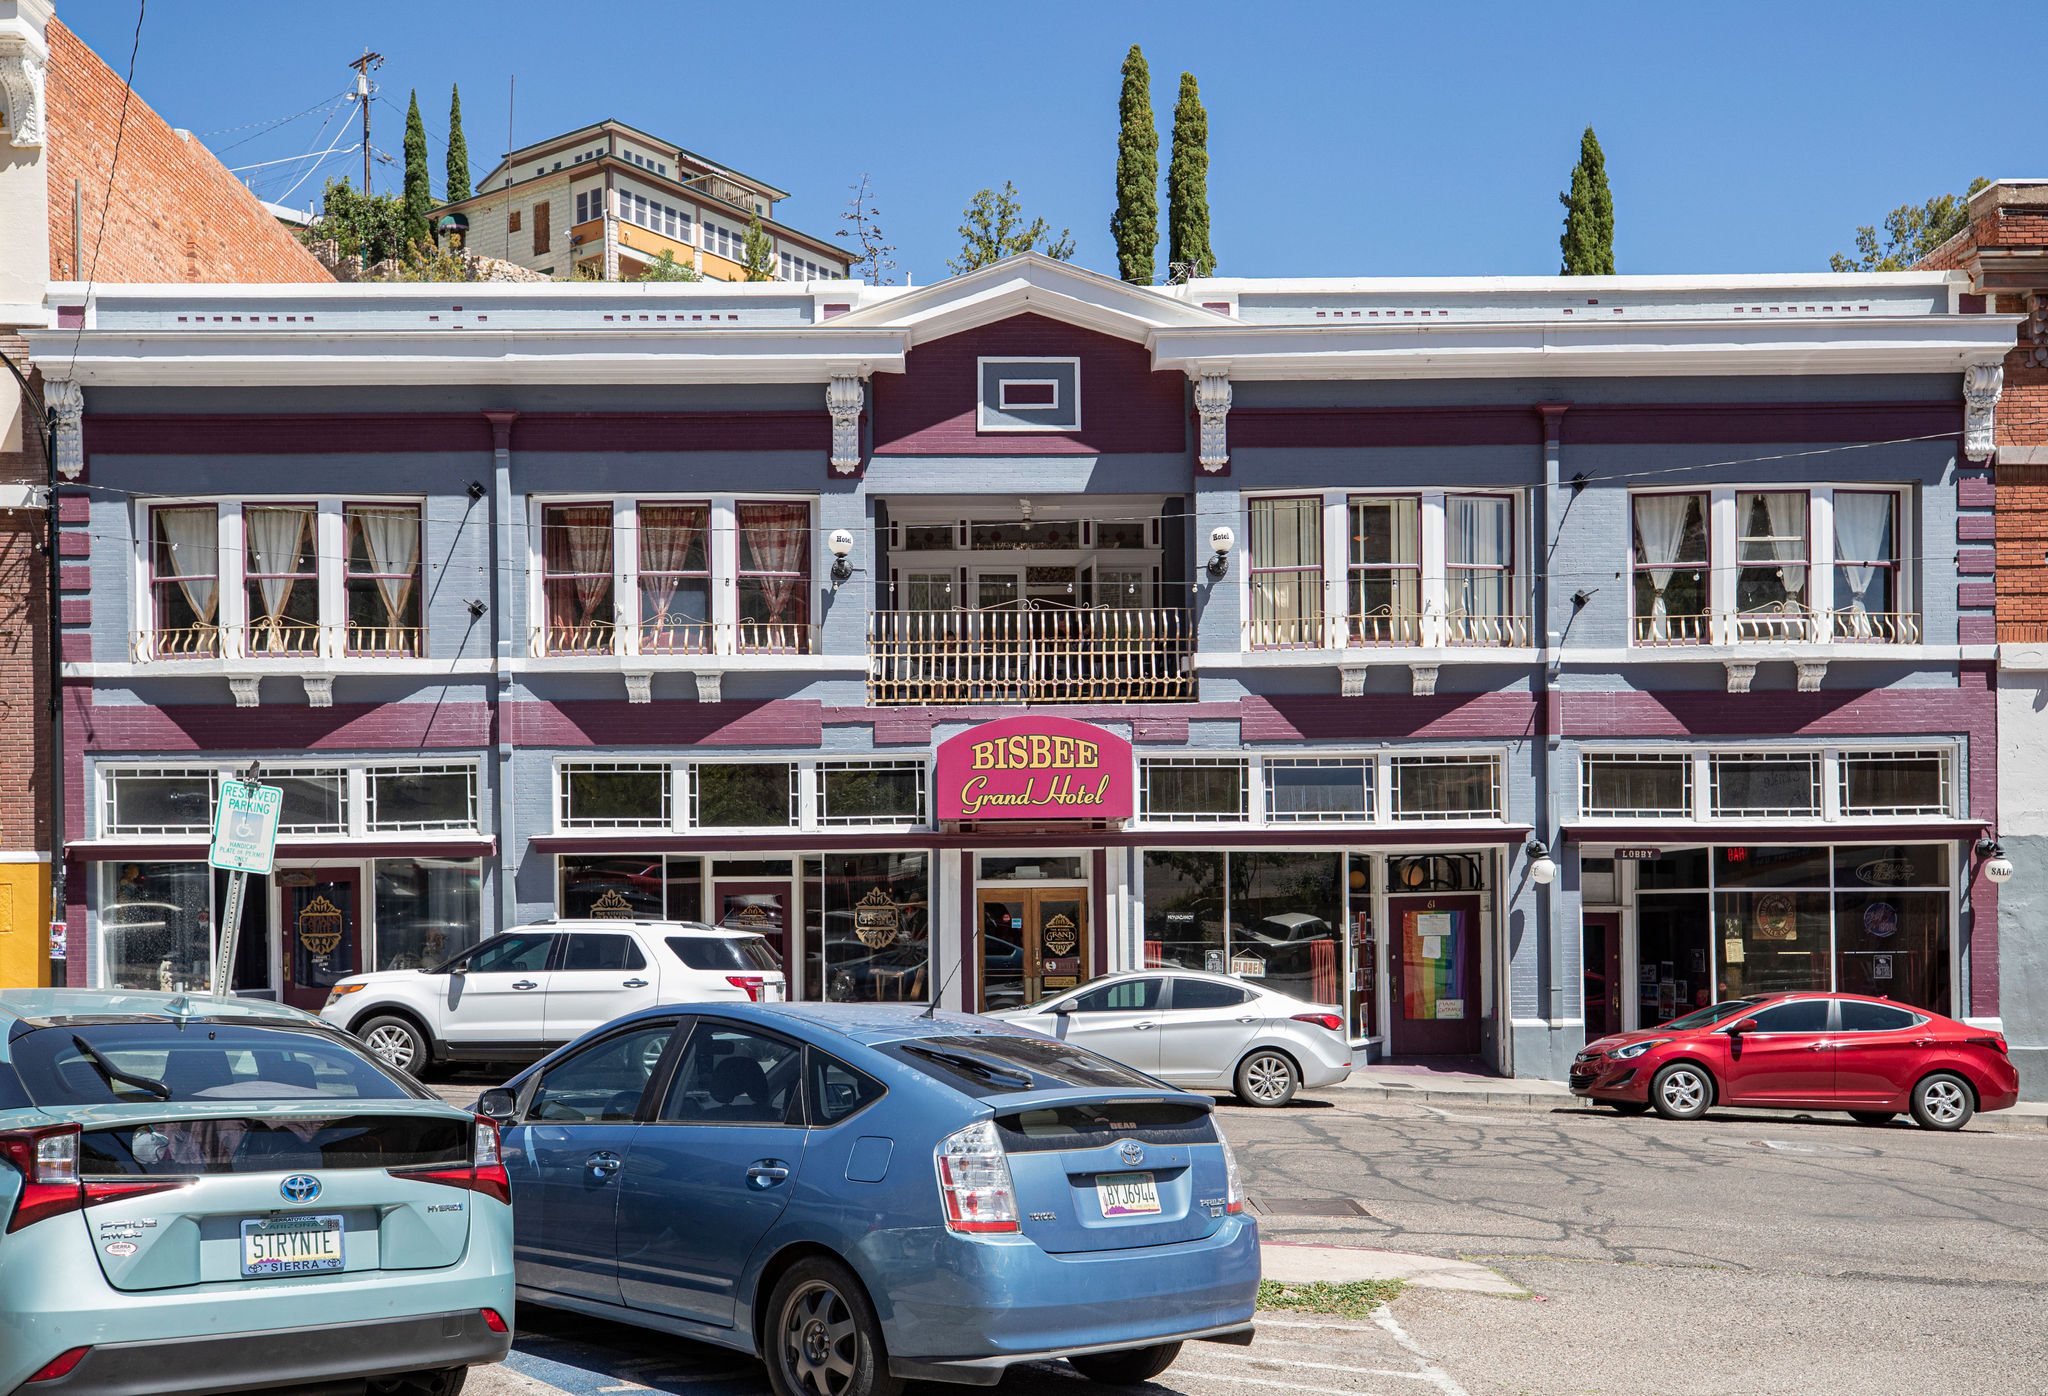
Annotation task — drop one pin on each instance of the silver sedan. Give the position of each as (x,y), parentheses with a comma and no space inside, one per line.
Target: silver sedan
(1207,1032)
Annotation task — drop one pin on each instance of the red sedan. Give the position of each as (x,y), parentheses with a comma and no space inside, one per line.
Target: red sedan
(1870,1057)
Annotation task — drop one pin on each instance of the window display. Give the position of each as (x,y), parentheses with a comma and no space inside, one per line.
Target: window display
(427,910)
(867,923)
(156,924)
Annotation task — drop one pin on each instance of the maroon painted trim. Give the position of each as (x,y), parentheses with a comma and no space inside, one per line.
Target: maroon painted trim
(1099,909)
(190,850)
(970,938)
(1321,717)
(1591,424)
(383,433)
(891,841)
(780,722)
(392,727)
(1765,835)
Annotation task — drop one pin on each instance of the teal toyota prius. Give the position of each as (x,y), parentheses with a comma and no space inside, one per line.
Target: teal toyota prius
(201,1194)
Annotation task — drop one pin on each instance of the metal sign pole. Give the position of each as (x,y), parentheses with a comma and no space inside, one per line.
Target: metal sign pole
(224,962)
(243,840)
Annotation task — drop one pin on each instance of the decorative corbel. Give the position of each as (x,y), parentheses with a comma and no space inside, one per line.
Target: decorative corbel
(247,689)
(1741,672)
(639,685)
(843,399)
(709,684)
(1212,403)
(1811,672)
(66,402)
(21,91)
(319,690)
(1422,680)
(1982,383)
(1351,677)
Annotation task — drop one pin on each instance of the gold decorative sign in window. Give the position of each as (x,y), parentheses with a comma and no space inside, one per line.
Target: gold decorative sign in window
(1060,936)
(876,919)
(612,906)
(320,927)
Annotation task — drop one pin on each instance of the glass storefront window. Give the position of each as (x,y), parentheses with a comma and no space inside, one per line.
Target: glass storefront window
(1894,782)
(1184,910)
(1039,868)
(1750,866)
(314,801)
(1766,785)
(1893,945)
(1672,870)
(156,925)
(1772,942)
(1674,956)
(867,924)
(1618,786)
(613,887)
(1285,913)
(427,910)
(1892,865)
(685,889)
(744,795)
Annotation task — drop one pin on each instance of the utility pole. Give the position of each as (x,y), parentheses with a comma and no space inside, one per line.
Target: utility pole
(364,66)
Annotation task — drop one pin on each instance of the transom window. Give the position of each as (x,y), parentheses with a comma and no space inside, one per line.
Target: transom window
(1821,783)
(1334,789)
(681,795)
(347,801)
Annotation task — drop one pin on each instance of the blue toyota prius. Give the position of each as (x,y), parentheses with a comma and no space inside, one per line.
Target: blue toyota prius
(859,1195)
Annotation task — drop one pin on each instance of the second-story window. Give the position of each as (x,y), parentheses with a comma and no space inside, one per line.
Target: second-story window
(1770,575)
(1386,571)
(1670,556)
(383,579)
(1479,560)
(1286,570)
(185,581)
(283,578)
(1866,605)
(774,577)
(675,579)
(576,554)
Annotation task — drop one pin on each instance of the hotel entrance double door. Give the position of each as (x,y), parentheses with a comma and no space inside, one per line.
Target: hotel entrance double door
(1033,942)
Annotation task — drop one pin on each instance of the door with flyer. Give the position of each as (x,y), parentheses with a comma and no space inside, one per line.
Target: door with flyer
(1433,961)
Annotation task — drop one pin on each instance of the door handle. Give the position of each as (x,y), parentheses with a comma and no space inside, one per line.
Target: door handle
(1817,1046)
(603,1163)
(525,984)
(1248,1020)
(1144,1027)
(767,1173)
(636,984)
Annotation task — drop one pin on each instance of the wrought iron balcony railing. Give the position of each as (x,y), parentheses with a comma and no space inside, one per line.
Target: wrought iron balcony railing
(599,638)
(1009,655)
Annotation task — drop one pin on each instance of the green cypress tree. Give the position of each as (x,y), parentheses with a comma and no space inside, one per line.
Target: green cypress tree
(1187,187)
(759,250)
(419,190)
(1588,240)
(458,150)
(1135,224)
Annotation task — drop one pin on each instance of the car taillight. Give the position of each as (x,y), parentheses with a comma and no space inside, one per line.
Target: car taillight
(495,1321)
(974,1180)
(1996,1044)
(1233,1181)
(1321,1020)
(485,1173)
(59,1366)
(750,982)
(48,1162)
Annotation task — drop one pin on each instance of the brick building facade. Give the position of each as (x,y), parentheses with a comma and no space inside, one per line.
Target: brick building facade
(170,213)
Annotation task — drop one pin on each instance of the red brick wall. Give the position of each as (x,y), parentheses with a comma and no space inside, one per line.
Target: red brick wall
(24,638)
(175,213)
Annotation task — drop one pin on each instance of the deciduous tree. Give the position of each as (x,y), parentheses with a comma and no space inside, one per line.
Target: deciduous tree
(995,229)
(1911,231)
(874,264)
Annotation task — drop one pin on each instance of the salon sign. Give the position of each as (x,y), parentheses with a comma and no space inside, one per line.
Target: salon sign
(1035,768)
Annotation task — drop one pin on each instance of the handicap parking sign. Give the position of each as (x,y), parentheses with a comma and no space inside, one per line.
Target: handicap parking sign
(245,827)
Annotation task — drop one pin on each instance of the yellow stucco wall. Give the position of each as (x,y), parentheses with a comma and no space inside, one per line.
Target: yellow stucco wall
(24,925)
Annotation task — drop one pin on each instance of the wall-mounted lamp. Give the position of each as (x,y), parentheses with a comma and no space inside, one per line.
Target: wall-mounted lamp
(1997,866)
(841,543)
(476,490)
(1542,867)
(1222,540)
(476,610)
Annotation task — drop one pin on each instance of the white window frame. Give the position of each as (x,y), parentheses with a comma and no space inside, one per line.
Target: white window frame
(231,608)
(565,817)
(106,776)
(356,777)
(825,769)
(1493,759)
(801,801)
(982,406)
(1368,778)
(373,769)
(1249,792)
(1944,755)
(1830,758)
(1682,759)
(722,551)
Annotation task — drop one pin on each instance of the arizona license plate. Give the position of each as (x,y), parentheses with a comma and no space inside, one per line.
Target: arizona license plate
(1126,1194)
(291,1245)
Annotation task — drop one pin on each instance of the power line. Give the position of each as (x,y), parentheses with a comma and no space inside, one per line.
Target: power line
(99,240)
(259,127)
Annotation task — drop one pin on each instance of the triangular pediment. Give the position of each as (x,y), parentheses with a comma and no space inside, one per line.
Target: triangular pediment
(1030,284)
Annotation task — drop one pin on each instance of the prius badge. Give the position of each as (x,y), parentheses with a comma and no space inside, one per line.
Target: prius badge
(300,1187)
(1131,1152)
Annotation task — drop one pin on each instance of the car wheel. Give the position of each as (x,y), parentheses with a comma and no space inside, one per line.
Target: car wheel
(445,1382)
(1126,1368)
(1943,1101)
(1872,1117)
(395,1042)
(823,1338)
(1628,1107)
(1267,1078)
(1682,1091)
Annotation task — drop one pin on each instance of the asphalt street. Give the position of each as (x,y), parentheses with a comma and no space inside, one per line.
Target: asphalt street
(1748,1253)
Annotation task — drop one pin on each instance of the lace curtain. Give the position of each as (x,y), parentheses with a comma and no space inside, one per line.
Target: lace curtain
(1863,536)
(773,538)
(1787,513)
(1660,538)
(393,539)
(579,541)
(666,535)
(194,538)
(1477,551)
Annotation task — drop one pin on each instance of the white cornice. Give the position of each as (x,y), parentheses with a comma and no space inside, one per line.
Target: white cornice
(1037,285)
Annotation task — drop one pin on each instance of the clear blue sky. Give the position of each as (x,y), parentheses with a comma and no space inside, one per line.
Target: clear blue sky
(1344,139)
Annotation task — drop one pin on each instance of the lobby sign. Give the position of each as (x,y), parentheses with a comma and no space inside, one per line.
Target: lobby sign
(1035,768)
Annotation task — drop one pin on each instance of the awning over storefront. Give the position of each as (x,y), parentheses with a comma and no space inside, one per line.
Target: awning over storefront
(195,850)
(1693,835)
(1210,836)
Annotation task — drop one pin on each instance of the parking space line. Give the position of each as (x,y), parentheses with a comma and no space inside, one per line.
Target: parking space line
(1435,1375)
(1277,1385)
(1318,1366)
(1261,1320)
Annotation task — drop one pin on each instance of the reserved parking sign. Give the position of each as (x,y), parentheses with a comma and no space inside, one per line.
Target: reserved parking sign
(245,827)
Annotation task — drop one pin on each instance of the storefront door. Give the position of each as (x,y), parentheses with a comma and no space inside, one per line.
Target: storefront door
(760,907)
(1433,958)
(1034,942)
(323,935)
(1600,964)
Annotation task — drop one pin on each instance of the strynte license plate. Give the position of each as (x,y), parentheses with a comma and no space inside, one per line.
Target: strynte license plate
(1126,1194)
(291,1245)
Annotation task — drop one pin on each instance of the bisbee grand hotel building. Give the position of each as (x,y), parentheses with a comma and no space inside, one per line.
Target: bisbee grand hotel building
(1503,661)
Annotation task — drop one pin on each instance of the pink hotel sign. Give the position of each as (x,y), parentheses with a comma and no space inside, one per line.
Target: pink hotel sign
(1035,768)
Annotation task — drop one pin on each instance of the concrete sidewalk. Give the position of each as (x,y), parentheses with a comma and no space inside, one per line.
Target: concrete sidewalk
(1459,1084)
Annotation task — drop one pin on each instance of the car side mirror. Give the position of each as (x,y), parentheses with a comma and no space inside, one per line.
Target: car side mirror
(498,1104)
(1742,1025)
(457,969)
(1062,1010)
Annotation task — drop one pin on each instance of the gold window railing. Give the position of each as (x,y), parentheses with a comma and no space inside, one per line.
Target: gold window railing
(1014,655)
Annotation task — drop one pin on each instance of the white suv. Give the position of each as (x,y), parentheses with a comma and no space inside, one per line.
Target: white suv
(523,993)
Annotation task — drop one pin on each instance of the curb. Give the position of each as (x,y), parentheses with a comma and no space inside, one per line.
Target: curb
(1307,1262)
(2020,1119)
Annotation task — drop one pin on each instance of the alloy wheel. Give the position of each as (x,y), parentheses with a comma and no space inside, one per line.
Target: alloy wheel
(392,1045)
(1944,1101)
(1267,1077)
(1684,1091)
(820,1340)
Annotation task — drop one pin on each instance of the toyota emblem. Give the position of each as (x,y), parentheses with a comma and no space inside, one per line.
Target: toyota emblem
(1131,1151)
(300,1187)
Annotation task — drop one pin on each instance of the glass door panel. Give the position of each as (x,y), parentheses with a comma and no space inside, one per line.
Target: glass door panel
(322,936)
